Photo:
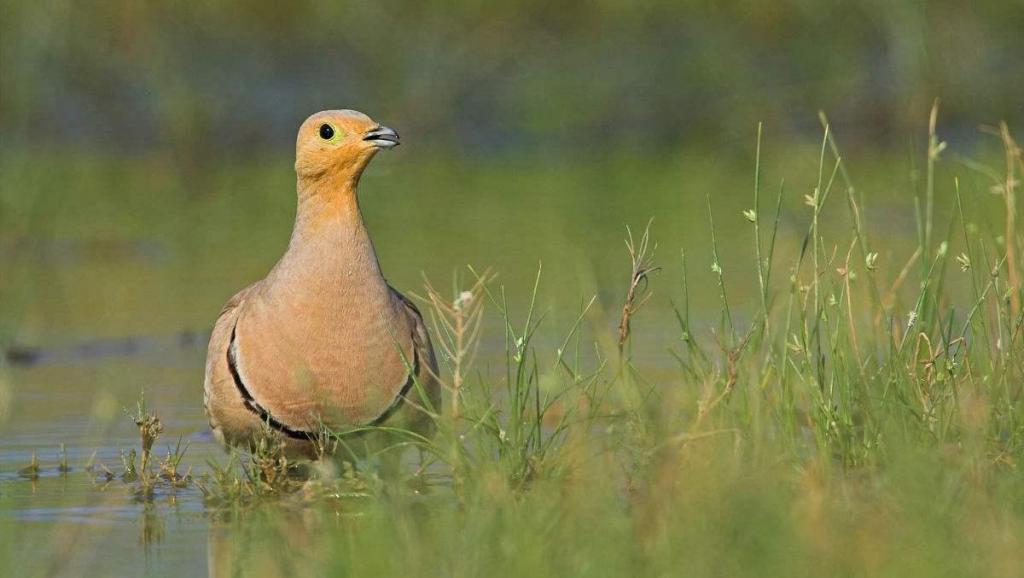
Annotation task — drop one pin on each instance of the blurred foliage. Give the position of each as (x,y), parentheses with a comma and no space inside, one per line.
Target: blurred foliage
(196,78)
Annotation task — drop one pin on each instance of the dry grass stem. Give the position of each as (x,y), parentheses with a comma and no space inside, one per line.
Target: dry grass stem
(456,327)
(641,257)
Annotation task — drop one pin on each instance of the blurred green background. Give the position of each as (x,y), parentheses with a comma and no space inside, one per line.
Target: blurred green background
(147,146)
(202,81)
(146,154)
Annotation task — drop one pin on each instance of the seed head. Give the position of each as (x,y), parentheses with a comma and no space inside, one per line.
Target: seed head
(871,261)
(964,261)
(464,299)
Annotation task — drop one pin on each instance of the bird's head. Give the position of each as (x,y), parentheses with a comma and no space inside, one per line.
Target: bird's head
(339,143)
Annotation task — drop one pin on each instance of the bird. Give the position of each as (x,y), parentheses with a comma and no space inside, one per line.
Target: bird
(323,340)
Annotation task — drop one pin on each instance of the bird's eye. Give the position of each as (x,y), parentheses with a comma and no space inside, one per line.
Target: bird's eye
(326,131)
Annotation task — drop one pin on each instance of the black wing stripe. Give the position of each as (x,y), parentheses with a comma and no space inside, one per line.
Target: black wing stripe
(397,403)
(252,405)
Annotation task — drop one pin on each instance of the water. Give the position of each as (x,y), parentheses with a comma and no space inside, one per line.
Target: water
(76,523)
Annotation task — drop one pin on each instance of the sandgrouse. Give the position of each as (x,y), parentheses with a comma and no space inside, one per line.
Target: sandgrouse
(323,339)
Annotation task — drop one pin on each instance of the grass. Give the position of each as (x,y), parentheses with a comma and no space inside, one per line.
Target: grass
(860,414)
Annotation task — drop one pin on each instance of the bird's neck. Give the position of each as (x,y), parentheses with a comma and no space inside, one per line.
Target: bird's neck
(328,206)
(330,256)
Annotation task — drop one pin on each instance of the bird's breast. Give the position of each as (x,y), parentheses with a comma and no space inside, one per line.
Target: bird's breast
(333,354)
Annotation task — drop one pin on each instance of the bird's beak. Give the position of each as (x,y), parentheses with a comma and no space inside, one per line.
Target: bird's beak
(382,137)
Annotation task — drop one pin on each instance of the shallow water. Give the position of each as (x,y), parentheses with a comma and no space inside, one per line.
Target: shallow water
(75,523)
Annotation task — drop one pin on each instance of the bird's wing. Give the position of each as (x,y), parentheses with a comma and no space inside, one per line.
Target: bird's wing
(223,404)
(427,372)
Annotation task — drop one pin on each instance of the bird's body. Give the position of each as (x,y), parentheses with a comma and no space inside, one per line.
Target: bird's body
(323,339)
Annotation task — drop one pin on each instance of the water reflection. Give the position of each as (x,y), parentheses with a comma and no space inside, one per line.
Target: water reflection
(268,542)
(153,526)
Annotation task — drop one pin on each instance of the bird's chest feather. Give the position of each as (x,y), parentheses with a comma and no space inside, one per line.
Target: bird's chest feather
(324,343)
